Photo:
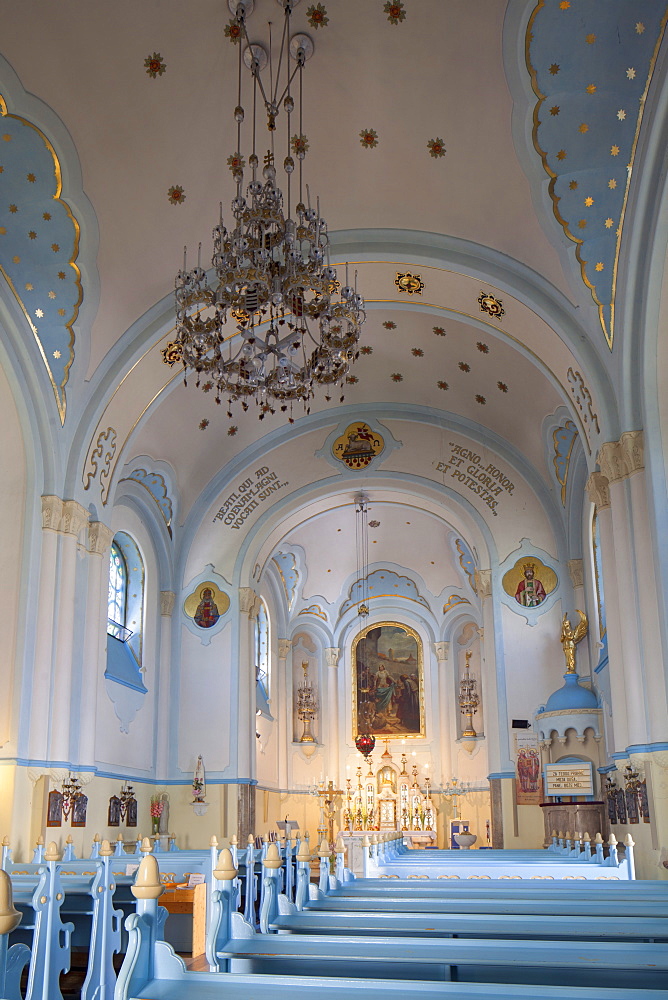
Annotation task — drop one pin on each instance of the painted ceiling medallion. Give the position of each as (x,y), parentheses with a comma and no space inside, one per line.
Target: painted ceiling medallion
(155,65)
(389,325)
(439,331)
(395,11)
(436,148)
(233,31)
(412,284)
(357,446)
(176,194)
(317,16)
(491,305)
(171,354)
(369,138)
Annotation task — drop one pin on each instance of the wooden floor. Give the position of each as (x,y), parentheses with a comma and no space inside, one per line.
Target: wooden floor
(196,963)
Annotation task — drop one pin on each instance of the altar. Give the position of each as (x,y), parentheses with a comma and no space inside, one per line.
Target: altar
(354,842)
(387,800)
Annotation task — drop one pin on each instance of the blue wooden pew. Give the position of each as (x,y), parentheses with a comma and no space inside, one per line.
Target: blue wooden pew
(474,925)
(151,969)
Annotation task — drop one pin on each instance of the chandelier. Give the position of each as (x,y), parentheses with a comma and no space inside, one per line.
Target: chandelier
(274,324)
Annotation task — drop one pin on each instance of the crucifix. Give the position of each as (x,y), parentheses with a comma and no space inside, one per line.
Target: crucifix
(329,801)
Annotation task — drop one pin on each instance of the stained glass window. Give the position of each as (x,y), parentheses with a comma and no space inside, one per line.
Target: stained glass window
(262,647)
(118,589)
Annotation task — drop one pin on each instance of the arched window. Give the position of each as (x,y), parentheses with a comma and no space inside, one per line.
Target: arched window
(262,647)
(125,609)
(125,628)
(262,661)
(118,592)
(598,575)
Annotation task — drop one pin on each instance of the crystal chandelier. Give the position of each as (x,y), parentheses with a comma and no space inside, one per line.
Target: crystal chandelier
(273,324)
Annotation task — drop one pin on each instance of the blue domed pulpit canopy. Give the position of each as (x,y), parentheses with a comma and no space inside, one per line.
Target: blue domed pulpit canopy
(572,706)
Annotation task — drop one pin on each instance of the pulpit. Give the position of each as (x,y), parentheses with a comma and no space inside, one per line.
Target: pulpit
(578,817)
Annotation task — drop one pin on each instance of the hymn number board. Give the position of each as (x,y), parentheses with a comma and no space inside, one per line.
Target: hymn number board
(569,779)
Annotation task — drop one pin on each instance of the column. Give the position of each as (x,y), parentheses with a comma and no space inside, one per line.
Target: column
(63,723)
(332,654)
(164,675)
(615,470)
(248,608)
(496,711)
(599,494)
(284,710)
(647,581)
(99,541)
(445,703)
(576,573)
(44,623)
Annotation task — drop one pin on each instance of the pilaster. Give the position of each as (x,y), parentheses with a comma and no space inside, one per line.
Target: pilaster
(249,604)
(332,654)
(284,711)
(446,703)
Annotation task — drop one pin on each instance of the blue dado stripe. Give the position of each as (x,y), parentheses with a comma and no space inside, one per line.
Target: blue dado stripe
(640,748)
(501,774)
(120,776)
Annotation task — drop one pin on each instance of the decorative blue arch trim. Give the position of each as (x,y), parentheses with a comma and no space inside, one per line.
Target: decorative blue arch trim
(51,257)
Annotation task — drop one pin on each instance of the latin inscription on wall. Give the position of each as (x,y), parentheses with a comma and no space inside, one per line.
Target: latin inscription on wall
(247,497)
(470,472)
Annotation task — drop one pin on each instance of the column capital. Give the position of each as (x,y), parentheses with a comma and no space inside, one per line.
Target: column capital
(442,650)
(74,518)
(67,517)
(632,445)
(249,602)
(620,459)
(167,598)
(576,570)
(332,654)
(52,512)
(598,490)
(284,647)
(99,537)
(483,583)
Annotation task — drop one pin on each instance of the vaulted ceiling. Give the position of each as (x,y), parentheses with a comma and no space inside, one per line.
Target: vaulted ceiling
(487,147)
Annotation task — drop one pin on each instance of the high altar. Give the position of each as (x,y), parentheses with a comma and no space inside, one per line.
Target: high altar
(387,799)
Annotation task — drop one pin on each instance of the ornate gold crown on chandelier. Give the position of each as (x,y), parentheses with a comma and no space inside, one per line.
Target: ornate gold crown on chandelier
(273,325)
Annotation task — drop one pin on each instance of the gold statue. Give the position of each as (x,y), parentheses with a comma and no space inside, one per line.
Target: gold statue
(571,637)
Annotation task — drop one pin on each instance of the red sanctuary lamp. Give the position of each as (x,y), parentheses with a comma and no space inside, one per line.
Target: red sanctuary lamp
(365,743)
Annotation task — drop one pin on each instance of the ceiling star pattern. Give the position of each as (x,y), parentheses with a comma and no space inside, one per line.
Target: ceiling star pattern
(591,74)
(39,245)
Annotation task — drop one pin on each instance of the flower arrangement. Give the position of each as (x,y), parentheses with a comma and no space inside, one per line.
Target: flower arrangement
(198,790)
(157,808)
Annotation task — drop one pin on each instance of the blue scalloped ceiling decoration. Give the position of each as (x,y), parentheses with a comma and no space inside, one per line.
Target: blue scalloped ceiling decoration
(156,486)
(39,245)
(287,568)
(563,439)
(383,583)
(591,64)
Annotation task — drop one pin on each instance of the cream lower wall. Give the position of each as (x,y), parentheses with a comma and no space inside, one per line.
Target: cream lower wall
(23,809)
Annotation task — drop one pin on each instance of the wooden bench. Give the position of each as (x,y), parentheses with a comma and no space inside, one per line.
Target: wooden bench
(474,925)
(493,903)
(151,969)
